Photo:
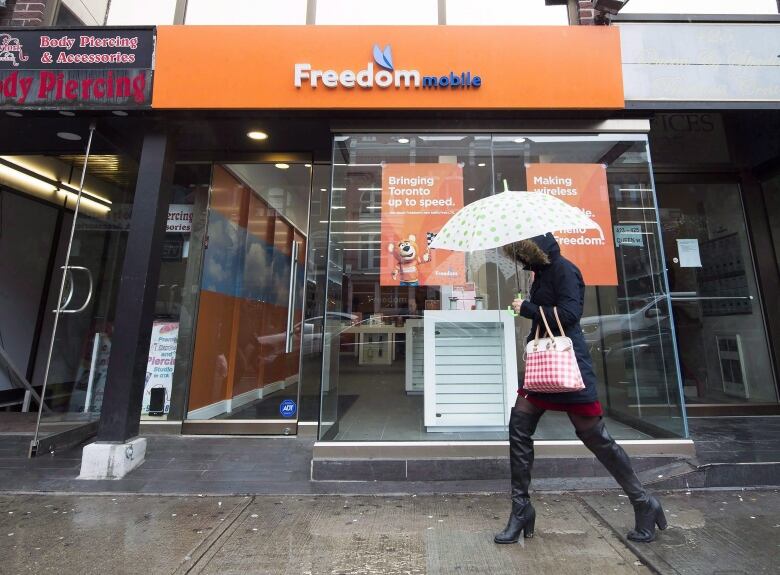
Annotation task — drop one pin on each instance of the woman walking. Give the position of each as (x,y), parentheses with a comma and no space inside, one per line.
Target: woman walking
(558,284)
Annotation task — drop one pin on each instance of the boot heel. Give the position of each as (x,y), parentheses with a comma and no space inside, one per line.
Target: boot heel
(528,530)
(660,519)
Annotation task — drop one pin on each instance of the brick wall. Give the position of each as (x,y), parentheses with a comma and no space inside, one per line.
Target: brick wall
(586,12)
(22,13)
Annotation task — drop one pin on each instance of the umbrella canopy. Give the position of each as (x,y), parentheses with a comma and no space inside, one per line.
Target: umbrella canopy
(509,217)
(505,265)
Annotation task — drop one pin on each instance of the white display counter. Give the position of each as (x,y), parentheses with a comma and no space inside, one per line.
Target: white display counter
(376,343)
(470,370)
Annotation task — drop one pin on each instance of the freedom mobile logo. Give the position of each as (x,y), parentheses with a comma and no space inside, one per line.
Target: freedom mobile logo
(385,77)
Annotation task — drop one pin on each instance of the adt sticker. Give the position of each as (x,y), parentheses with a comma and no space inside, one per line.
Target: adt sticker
(288,408)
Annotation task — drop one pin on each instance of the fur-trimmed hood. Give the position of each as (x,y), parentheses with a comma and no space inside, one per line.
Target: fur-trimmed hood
(535,253)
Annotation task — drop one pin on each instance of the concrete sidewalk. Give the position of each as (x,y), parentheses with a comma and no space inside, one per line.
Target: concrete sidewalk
(388,535)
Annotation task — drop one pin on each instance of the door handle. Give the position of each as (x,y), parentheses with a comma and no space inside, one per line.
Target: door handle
(71,287)
(63,307)
(288,343)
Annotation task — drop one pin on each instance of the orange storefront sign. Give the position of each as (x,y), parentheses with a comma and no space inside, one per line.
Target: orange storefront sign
(583,186)
(387,67)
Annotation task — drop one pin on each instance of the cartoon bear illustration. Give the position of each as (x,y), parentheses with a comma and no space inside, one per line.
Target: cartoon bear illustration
(407,256)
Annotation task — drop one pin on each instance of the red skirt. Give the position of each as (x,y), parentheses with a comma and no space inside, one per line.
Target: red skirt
(590,409)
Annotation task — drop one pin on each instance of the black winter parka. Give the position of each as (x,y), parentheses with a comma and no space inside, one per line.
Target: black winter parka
(559,284)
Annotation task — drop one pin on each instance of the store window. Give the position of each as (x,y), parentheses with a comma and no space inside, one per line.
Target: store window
(170,358)
(418,342)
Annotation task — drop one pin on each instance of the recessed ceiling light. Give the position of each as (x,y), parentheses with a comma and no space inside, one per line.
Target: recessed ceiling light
(66,113)
(282,166)
(69,136)
(13,114)
(257,135)
(481,164)
(403,140)
(472,189)
(121,113)
(323,189)
(519,140)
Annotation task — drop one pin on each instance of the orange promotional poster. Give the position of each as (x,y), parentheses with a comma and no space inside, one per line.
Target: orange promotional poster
(417,200)
(583,186)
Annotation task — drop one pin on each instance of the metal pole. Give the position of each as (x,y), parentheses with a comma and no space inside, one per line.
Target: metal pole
(34,444)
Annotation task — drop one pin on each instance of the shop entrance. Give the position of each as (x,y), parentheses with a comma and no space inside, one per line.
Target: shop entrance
(249,339)
(65,210)
(725,361)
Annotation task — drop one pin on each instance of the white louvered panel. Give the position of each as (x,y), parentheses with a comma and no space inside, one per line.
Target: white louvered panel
(474,398)
(471,408)
(468,355)
(445,360)
(475,370)
(468,388)
(457,344)
(484,378)
(466,340)
(472,352)
(469,350)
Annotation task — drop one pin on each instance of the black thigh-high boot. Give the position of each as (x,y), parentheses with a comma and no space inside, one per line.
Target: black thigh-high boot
(521,459)
(647,509)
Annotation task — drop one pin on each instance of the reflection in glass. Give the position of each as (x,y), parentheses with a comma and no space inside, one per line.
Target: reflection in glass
(176,304)
(248,337)
(721,336)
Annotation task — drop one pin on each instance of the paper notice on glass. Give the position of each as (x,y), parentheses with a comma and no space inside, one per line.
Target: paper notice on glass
(688,251)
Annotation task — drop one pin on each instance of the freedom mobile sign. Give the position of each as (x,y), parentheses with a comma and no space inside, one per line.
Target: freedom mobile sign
(387,68)
(76,68)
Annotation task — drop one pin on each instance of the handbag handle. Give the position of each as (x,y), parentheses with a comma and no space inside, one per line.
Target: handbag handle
(546,325)
(558,321)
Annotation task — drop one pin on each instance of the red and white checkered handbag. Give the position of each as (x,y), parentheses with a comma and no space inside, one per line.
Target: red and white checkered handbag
(550,363)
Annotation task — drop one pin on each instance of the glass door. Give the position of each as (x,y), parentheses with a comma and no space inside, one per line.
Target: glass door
(97,186)
(722,340)
(246,361)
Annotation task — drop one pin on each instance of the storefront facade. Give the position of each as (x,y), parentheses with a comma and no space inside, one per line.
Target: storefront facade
(262,199)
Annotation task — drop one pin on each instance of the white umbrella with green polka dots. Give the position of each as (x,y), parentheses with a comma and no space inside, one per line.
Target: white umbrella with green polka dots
(509,217)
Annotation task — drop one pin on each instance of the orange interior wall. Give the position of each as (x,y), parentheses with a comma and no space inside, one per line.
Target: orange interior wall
(209,378)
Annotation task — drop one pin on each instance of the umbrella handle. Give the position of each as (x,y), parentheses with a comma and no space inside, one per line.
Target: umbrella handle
(509,307)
